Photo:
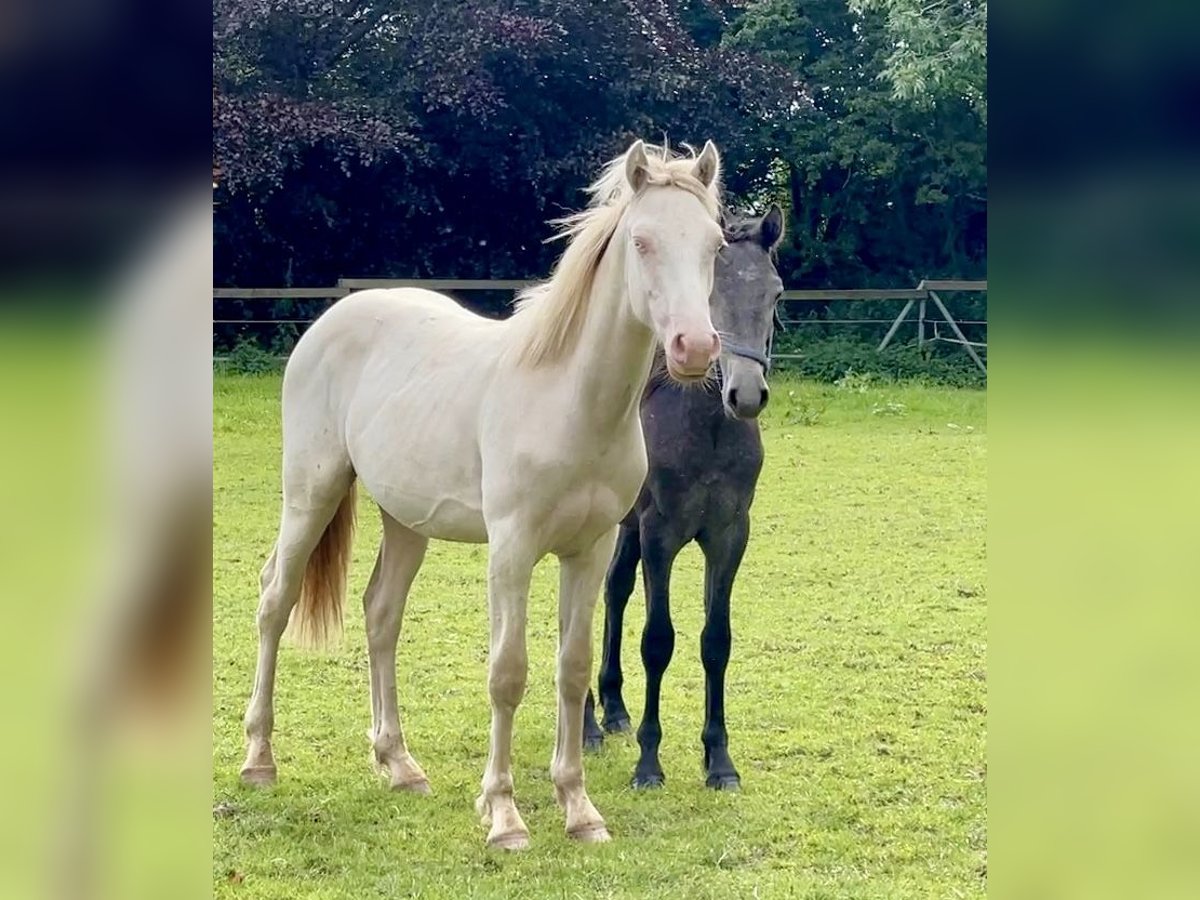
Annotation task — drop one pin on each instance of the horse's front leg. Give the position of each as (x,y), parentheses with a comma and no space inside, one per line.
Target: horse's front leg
(722,556)
(510,565)
(661,543)
(579,586)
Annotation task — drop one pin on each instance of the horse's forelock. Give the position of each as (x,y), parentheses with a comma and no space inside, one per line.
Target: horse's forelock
(741,227)
(664,168)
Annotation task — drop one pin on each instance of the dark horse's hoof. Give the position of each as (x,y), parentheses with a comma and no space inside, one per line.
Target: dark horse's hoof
(649,780)
(725,782)
(618,725)
(594,742)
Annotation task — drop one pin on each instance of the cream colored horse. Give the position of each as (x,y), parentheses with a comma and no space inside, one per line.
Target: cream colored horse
(523,434)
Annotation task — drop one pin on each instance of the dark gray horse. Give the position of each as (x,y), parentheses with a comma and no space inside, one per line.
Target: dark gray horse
(705,454)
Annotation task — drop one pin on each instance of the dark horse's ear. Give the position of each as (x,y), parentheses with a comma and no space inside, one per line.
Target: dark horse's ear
(771,227)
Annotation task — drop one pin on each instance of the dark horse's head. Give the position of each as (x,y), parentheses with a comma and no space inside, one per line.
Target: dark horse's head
(745,291)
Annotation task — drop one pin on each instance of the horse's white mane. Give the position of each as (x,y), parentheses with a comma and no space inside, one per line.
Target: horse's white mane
(550,316)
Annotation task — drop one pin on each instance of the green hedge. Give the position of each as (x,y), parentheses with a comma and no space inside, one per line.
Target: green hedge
(248,358)
(832,358)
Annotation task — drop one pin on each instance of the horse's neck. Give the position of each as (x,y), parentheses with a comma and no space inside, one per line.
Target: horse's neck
(611,360)
(698,408)
(700,401)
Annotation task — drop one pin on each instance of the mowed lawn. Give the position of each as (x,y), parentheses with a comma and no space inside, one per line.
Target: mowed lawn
(857,690)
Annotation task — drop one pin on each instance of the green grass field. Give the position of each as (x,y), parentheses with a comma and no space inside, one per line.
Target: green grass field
(856,692)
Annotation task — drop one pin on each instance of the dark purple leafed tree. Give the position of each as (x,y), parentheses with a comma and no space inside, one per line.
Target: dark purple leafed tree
(435,138)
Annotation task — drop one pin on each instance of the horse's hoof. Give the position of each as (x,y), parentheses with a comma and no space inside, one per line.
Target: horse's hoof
(590,834)
(259,776)
(723,782)
(420,786)
(618,725)
(593,743)
(645,782)
(514,840)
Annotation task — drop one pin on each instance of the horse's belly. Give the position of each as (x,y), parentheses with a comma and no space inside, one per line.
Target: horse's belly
(415,452)
(443,518)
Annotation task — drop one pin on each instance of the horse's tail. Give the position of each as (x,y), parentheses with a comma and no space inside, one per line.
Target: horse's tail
(317,618)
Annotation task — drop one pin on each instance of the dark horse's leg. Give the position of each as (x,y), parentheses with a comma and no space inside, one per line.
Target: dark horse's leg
(722,555)
(618,586)
(593,737)
(659,549)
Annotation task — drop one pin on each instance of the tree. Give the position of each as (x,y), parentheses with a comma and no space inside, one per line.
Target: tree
(429,138)
(406,138)
(939,48)
(881,191)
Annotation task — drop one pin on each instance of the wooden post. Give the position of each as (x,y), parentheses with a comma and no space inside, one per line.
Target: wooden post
(921,323)
(896,325)
(958,332)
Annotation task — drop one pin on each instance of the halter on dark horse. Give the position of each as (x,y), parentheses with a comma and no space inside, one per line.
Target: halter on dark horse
(747,352)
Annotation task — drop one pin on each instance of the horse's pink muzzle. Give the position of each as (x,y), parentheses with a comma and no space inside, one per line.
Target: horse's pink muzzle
(690,353)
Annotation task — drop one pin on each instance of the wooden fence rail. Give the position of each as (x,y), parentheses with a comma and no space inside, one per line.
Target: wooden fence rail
(926,291)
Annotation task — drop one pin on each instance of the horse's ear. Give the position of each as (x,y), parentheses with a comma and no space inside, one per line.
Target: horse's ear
(771,227)
(708,165)
(636,166)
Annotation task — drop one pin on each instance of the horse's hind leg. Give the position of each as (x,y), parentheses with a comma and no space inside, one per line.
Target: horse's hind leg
(400,556)
(300,530)
(618,587)
(593,735)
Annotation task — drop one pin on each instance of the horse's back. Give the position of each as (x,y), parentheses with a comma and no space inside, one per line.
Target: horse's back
(382,328)
(357,324)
